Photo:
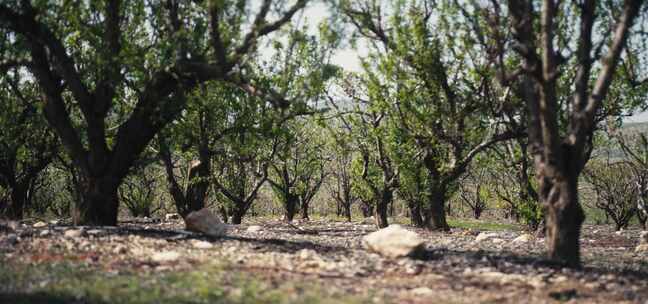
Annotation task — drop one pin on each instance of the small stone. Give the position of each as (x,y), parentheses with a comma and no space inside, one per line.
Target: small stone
(165,256)
(497,240)
(485,235)
(524,238)
(307,254)
(171,216)
(254,228)
(422,291)
(45,233)
(394,241)
(39,224)
(201,244)
(94,231)
(74,233)
(206,222)
(54,222)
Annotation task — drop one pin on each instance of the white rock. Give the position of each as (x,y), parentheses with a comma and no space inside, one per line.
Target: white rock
(171,216)
(206,222)
(497,240)
(394,241)
(54,222)
(307,254)
(74,233)
(202,244)
(95,231)
(485,235)
(254,228)
(422,291)
(45,233)
(524,238)
(39,224)
(165,256)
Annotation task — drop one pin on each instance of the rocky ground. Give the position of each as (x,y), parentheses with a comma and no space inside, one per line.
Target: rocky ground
(323,260)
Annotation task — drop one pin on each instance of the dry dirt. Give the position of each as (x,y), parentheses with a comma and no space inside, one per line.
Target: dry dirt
(455,269)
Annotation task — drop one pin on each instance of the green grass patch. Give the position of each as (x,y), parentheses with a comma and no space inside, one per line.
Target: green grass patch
(73,283)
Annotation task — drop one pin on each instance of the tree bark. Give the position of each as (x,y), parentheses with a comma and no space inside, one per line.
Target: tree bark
(435,217)
(290,207)
(99,203)
(347,211)
(238,213)
(415,214)
(16,207)
(564,218)
(381,208)
(304,210)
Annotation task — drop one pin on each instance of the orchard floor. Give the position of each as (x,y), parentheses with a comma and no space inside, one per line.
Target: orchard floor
(309,262)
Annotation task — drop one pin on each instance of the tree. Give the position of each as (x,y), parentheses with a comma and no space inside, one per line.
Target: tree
(27,146)
(543,40)
(297,173)
(375,174)
(472,191)
(124,68)
(340,185)
(439,87)
(615,189)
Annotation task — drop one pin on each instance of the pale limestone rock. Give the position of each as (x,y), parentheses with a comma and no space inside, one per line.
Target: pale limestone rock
(524,238)
(394,241)
(74,233)
(485,235)
(39,224)
(254,228)
(165,256)
(202,244)
(206,222)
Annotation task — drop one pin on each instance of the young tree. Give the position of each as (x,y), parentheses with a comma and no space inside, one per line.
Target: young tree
(439,88)
(615,189)
(27,146)
(298,171)
(114,73)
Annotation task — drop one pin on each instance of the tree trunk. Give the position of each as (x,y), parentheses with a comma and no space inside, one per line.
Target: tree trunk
(16,207)
(564,218)
(347,211)
(367,209)
(435,217)
(99,203)
(237,214)
(304,210)
(415,214)
(290,207)
(381,208)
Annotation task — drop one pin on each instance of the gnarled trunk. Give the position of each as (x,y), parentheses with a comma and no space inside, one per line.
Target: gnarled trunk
(99,203)
(435,216)
(564,218)
(381,208)
(290,207)
(304,210)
